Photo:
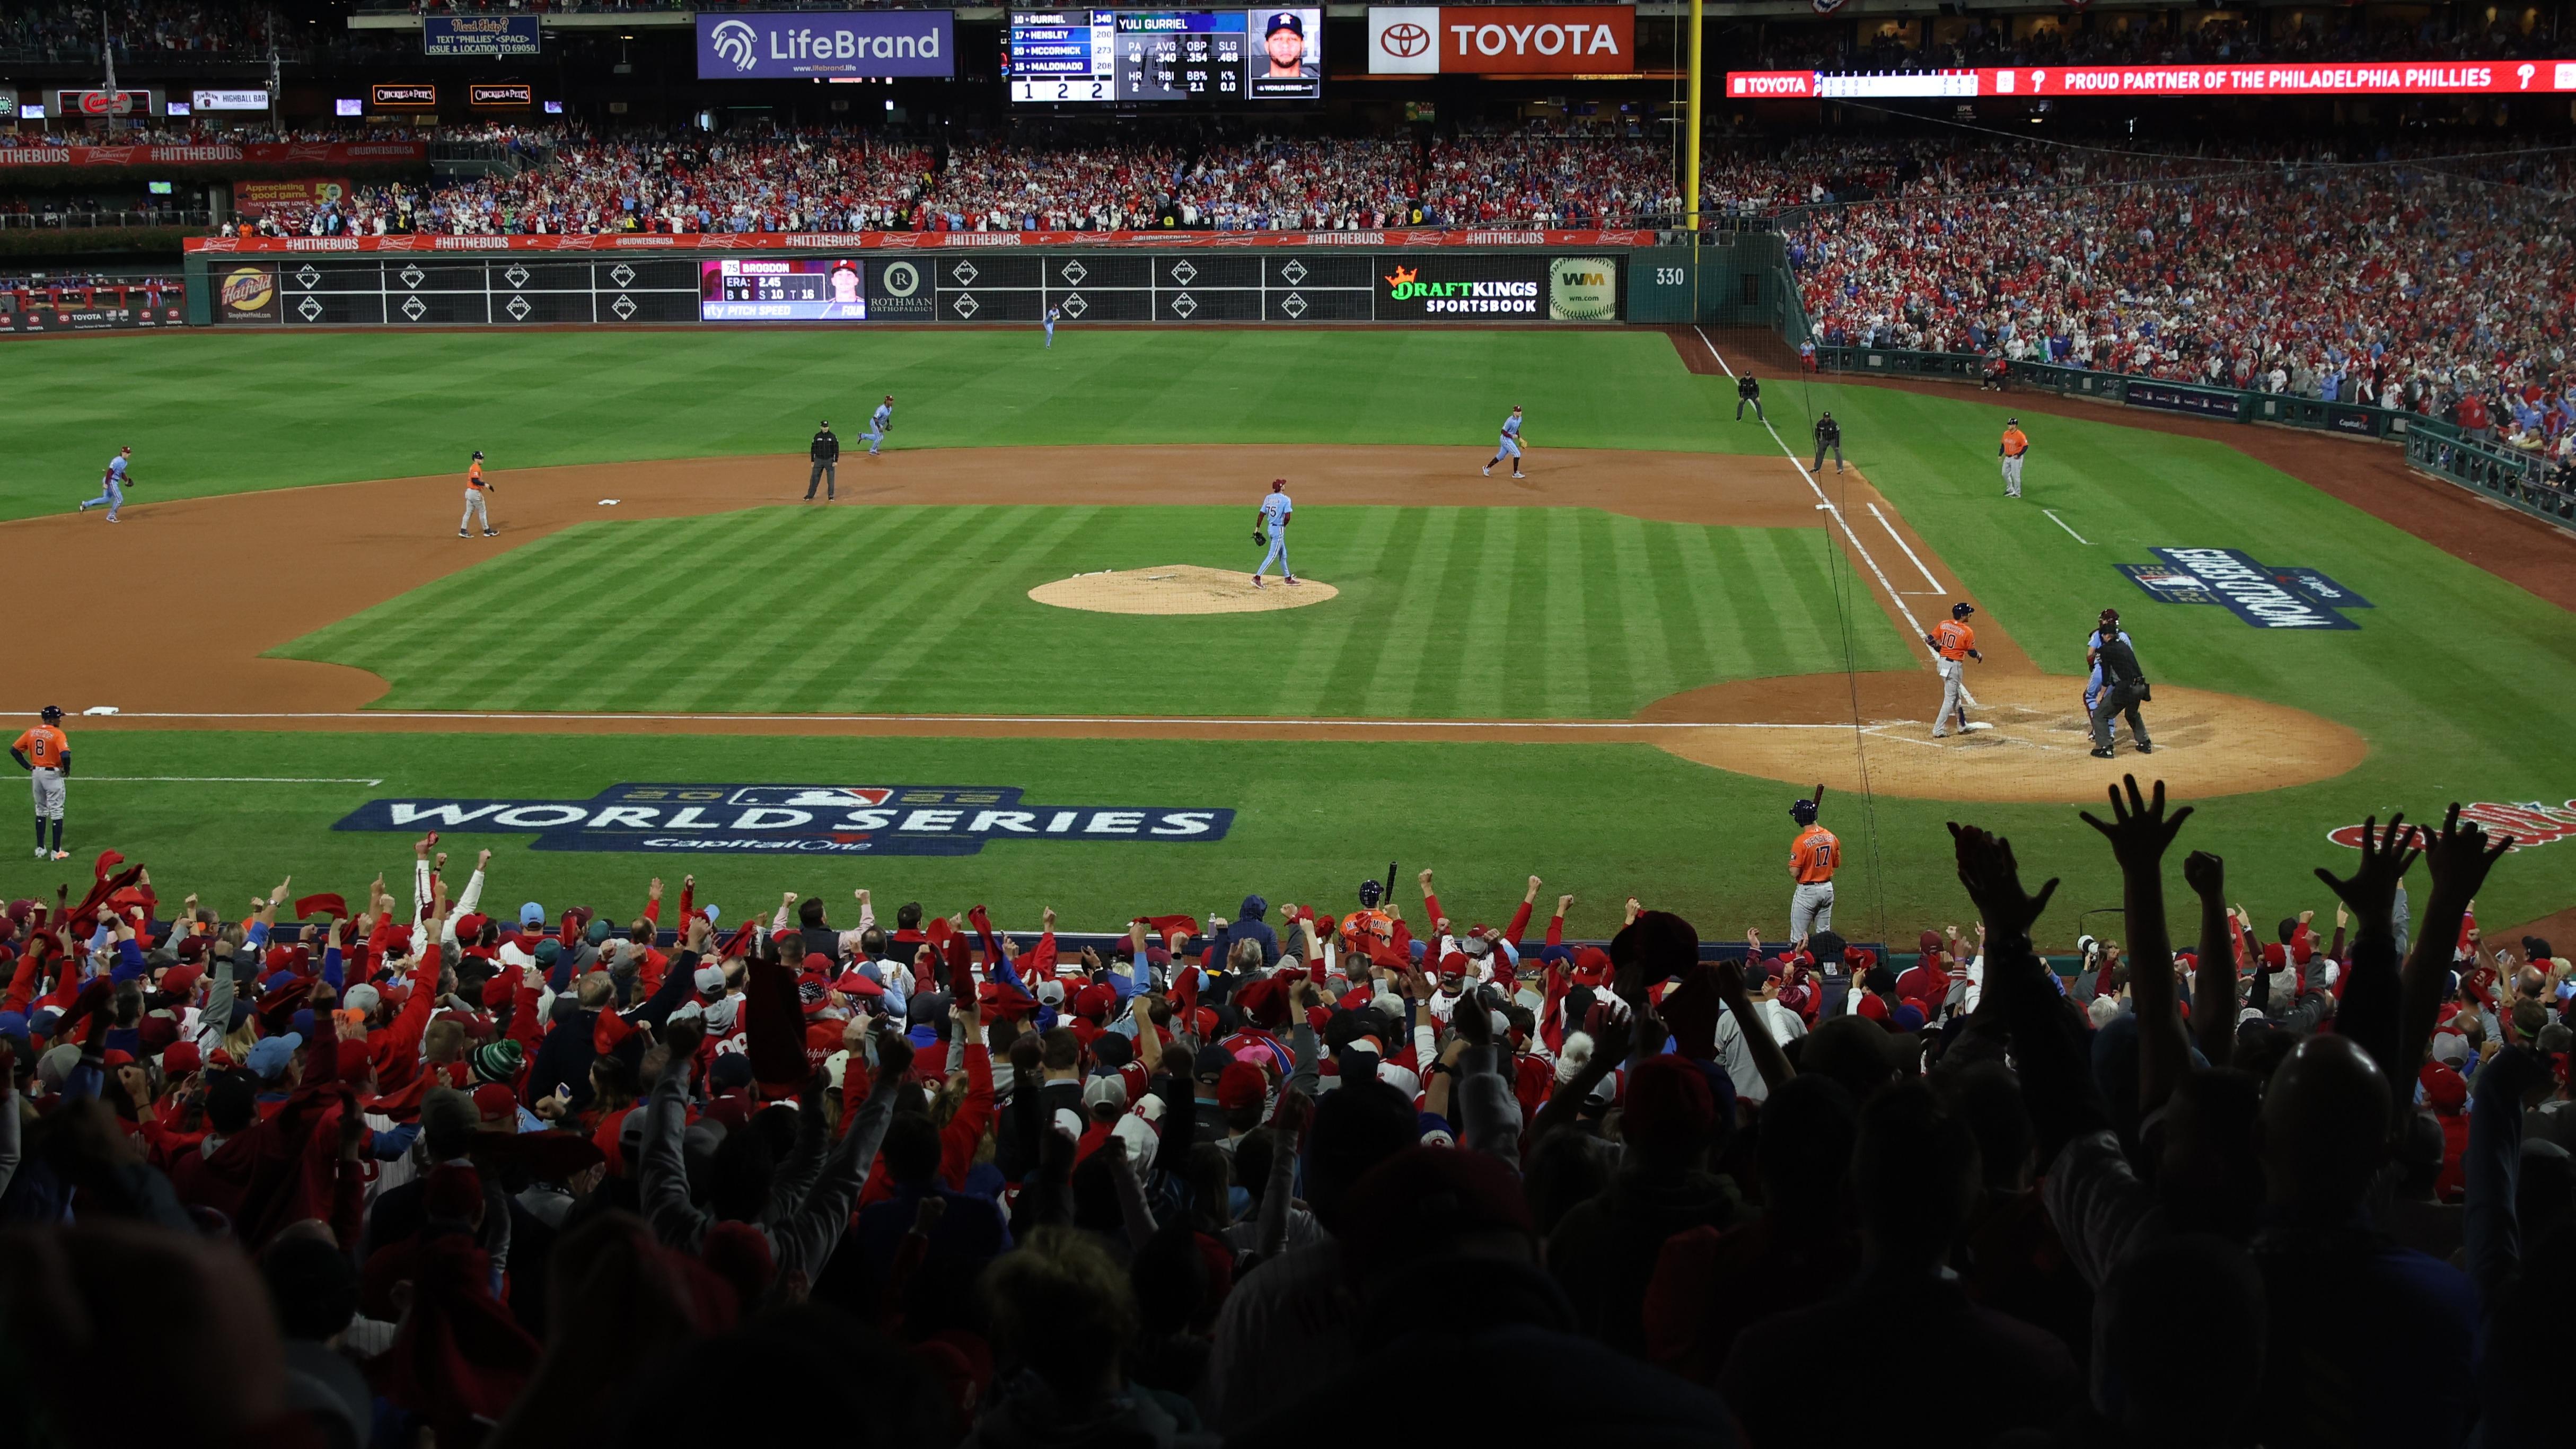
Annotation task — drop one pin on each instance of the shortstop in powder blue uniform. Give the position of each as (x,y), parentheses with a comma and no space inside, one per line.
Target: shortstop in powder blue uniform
(879,422)
(1274,515)
(112,486)
(1509,447)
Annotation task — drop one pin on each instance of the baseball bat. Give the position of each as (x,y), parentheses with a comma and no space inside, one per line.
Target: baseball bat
(1388,894)
(1819,797)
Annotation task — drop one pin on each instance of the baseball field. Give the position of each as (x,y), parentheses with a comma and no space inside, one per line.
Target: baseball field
(1017,660)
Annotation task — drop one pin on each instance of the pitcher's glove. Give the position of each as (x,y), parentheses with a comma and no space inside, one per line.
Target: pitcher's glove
(1258,539)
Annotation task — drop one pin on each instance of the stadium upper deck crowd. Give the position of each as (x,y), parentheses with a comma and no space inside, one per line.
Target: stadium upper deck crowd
(429,1169)
(2404,281)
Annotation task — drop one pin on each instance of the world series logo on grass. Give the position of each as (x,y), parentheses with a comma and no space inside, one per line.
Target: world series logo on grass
(797,819)
(2267,596)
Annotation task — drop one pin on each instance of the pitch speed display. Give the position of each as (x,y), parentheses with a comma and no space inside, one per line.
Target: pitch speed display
(784,289)
(1190,57)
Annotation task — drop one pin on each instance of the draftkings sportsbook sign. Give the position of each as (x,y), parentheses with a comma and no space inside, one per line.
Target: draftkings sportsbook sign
(796,819)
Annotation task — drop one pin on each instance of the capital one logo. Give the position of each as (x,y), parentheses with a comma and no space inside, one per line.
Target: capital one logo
(1406,40)
(733,40)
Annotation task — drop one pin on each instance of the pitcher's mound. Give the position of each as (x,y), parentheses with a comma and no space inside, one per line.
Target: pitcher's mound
(1178,589)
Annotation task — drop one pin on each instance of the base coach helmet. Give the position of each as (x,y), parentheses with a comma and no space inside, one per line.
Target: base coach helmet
(52,714)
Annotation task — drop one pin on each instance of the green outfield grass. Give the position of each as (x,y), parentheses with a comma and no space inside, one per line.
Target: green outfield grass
(1443,613)
(218,412)
(2457,679)
(1602,821)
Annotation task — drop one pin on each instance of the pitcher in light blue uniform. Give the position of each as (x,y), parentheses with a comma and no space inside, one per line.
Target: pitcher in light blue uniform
(112,484)
(1275,512)
(1510,446)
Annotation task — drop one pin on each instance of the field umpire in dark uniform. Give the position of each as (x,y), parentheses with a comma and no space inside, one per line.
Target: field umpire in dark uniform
(826,454)
(2124,688)
(1748,391)
(1829,434)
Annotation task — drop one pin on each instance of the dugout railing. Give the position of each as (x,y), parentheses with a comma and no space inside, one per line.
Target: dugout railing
(2515,477)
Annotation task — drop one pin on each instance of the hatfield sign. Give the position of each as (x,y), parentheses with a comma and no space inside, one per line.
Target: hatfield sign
(795,819)
(1502,39)
(804,44)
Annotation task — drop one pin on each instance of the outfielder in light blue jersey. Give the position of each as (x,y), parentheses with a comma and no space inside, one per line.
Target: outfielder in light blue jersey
(1275,513)
(880,423)
(1052,314)
(1510,447)
(112,484)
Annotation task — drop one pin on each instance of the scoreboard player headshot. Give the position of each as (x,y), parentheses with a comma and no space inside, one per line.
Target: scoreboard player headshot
(1284,43)
(845,282)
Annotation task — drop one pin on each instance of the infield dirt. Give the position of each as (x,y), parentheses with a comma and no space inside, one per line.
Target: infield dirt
(321,554)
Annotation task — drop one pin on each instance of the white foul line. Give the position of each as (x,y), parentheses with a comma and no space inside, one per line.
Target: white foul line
(2070,533)
(1909,548)
(1257,722)
(223,779)
(1826,505)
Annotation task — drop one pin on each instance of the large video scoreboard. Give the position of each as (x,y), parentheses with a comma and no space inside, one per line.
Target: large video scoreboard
(1186,57)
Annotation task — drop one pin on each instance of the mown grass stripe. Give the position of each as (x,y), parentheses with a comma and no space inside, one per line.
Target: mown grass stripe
(1033,532)
(1484,656)
(1309,686)
(1565,658)
(1650,672)
(1409,647)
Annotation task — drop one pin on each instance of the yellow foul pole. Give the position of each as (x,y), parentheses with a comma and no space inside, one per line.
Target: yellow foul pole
(1690,154)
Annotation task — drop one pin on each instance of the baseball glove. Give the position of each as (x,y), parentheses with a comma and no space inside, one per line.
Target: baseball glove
(1258,541)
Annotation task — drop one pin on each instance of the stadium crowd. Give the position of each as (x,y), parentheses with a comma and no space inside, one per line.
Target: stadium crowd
(2167,38)
(2403,281)
(421,1169)
(71,30)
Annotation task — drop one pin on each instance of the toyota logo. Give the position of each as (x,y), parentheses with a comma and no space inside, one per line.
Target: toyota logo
(1404,39)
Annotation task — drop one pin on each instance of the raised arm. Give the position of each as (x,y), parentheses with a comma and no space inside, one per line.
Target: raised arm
(2213,982)
(2458,857)
(2140,832)
(2371,1013)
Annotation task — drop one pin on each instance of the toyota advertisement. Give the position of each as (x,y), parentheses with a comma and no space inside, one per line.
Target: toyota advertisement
(821,44)
(2428,78)
(1591,40)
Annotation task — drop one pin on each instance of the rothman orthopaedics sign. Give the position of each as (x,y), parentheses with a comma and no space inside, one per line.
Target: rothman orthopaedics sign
(2424,78)
(1502,39)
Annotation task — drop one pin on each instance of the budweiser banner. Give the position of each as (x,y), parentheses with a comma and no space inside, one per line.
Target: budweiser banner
(258,198)
(1391,238)
(1502,39)
(2428,78)
(311,153)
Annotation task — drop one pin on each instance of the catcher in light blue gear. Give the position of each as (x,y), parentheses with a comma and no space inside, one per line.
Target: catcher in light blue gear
(2105,629)
(1275,513)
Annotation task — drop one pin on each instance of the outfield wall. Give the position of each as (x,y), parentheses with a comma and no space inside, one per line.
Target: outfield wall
(983,279)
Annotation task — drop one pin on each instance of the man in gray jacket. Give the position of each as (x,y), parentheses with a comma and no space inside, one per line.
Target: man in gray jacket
(811,1196)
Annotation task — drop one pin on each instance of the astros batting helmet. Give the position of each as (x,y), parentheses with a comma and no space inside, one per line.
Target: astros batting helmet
(1961,611)
(52,714)
(1370,891)
(1803,811)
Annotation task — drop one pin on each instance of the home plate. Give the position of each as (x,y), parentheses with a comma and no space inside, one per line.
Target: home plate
(1975,725)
